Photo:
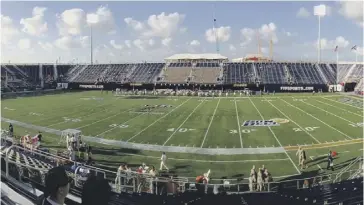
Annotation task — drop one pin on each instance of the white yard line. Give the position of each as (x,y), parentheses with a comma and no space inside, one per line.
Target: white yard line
(237,119)
(328,112)
(182,123)
(318,119)
(206,161)
(275,136)
(121,124)
(360,108)
(295,123)
(157,120)
(317,164)
(88,114)
(104,119)
(340,108)
(208,128)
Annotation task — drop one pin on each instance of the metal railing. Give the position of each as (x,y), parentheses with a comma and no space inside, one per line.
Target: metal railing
(144,182)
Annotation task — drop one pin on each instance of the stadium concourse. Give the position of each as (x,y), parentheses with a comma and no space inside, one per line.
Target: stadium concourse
(226,127)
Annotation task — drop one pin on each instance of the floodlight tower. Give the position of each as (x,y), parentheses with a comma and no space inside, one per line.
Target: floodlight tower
(215,31)
(319,11)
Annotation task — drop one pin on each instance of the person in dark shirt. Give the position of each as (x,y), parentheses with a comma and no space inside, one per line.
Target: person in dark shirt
(39,136)
(330,161)
(96,191)
(11,130)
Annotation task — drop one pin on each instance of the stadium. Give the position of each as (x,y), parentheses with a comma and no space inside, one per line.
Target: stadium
(219,121)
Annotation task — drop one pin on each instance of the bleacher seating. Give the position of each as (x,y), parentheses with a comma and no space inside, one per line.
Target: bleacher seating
(178,73)
(146,72)
(330,72)
(271,73)
(205,73)
(305,73)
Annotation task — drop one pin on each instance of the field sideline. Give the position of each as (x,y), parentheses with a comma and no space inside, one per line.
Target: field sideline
(317,122)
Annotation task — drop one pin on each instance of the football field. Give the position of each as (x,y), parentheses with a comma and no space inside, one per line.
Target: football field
(227,135)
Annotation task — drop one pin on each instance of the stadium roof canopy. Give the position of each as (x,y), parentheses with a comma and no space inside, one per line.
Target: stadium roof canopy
(190,56)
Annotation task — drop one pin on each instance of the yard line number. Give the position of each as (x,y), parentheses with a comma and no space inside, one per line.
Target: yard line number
(180,129)
(118,126)
(67,119)
(309,129)
(359,124)
(242,131)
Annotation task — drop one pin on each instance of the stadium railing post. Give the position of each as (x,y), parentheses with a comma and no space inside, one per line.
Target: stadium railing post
(298,184)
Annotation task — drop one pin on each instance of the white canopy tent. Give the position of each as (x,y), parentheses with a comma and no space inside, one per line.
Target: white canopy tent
(191,56)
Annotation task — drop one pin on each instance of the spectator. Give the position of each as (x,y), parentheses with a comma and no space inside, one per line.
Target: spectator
(57,185)
(96,191)
(11,130)
(163,161)
(330,161)
(306,184)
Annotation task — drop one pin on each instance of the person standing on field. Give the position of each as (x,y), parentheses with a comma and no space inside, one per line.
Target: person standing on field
(163,161)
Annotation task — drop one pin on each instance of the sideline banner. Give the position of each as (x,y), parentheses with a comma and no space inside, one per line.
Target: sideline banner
(296,88)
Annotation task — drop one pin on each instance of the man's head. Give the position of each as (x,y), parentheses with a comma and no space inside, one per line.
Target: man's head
(164,153)
(96,191)
(57,184)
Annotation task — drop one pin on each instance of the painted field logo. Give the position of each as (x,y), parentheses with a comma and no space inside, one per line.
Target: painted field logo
(280,120)
(260,123)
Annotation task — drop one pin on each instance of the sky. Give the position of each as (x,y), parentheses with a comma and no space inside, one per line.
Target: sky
(44,32)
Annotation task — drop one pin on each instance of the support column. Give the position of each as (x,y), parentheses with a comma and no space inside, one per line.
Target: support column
(41,76)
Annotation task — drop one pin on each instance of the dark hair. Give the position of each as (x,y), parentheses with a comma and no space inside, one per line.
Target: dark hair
(96,191)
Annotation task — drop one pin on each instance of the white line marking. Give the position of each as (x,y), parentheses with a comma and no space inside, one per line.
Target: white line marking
(328,112)
(158,120)
(237,119)
(343,103)
(295,123)
(208,128)
(104,119)
(318,119)
(340,108)
(207,161)
(182,123)
(117,126)
(82,116)
(275,136)
(317,164)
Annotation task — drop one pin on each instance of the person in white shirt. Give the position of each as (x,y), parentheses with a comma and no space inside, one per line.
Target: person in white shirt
(163,161)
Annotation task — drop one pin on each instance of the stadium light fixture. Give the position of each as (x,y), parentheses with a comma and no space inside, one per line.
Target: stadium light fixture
(319,11)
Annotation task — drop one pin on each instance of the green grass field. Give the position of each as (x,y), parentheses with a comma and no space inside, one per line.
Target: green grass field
(320,122)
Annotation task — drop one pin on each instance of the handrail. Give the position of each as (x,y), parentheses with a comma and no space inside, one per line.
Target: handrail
(347,168)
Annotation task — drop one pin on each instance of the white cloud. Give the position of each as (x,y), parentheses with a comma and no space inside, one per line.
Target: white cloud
(232,47)
(128,43)
(139,44)
(340,41)
(183,30)
(136,25)
(7,30)
(163,25)
(248,35)
(223,34)
(35,25)
(46,46)
(303,13)
(69,42)
(71,22)
(115,45)
(267,32)
(264,50)
(24,44)
(166,41)
(102,19)
(111,54)
(195,43)
(151,42)
(352,10)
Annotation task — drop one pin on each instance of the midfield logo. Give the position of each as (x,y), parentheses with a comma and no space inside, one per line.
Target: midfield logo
(260,123)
